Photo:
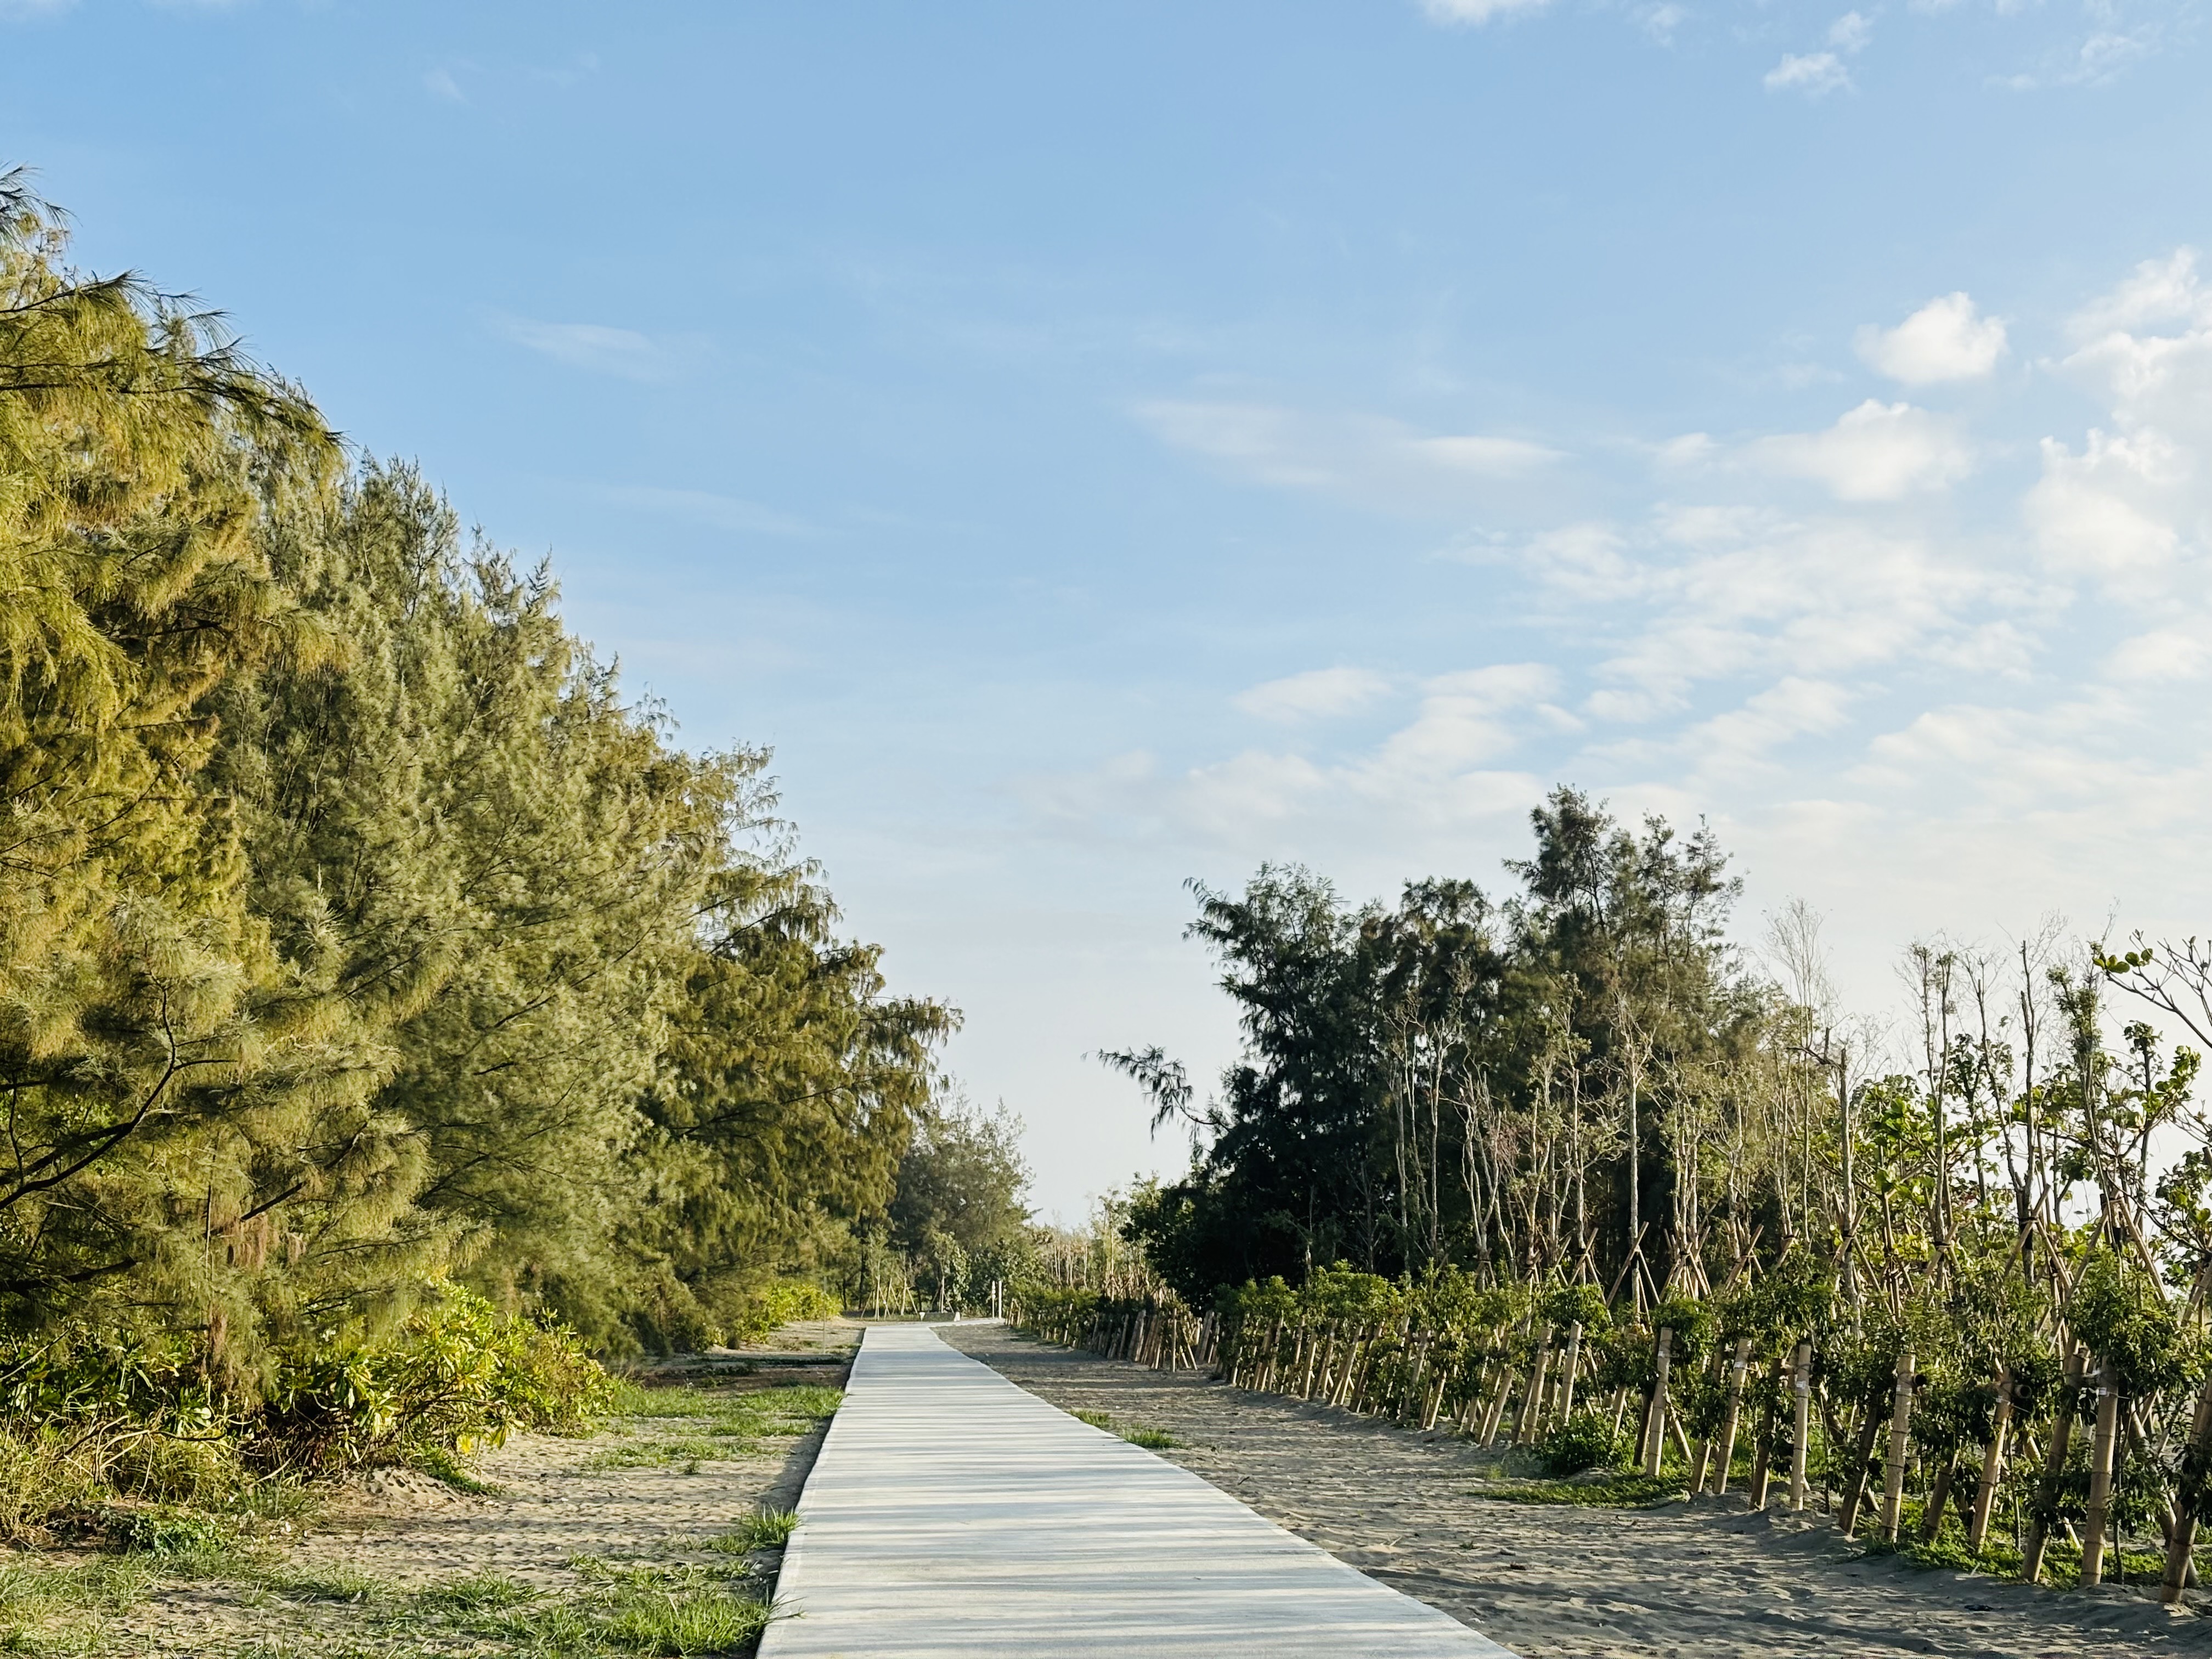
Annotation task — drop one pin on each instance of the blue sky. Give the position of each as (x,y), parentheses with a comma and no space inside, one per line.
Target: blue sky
(1103,446)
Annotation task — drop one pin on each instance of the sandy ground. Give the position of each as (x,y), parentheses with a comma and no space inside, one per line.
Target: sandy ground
(1708,1581)
(557,1501)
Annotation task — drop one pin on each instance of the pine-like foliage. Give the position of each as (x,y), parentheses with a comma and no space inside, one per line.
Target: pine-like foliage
(356,934)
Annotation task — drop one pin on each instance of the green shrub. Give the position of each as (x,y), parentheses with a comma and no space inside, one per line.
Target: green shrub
(459,1375)
(1584,1441)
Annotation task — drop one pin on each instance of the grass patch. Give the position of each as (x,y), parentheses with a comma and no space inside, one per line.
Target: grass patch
(480,1592)
(1096,1420)
(443,1465)
(1608,1491)
(1150,1439)
(701,1623)
(764,1529)
(337,1584)
(659,1454)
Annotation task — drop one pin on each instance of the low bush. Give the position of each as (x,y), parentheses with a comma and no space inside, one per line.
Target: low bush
(125,1435)
(1584,1441)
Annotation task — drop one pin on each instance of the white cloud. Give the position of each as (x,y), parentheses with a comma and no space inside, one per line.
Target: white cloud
(1660,21)
(1477,12)
(442,84)
(1814,74)
(2098,512)
(2158,291)
(1851,33)
(1488,457)
(2165,653)
(1366,456)
(618,351)
(1876,453)
(1945,340)
(1317,694)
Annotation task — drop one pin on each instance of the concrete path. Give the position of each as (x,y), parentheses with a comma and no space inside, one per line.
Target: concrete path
(951,1513)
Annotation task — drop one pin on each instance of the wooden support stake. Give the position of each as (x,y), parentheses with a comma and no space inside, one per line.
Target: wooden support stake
(1737,1372)
(1655,1426)
(2183,1539)
(1801,1385)
(2101,1475)
(1993,1462)
(2054,1468)
(1527,1421)
(1900,1440)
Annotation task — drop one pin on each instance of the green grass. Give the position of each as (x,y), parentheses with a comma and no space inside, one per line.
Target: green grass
(764,1529)
(480,1592)
(699,1623)
(1136,1433)
(442,1465)
(334,1584)
(1609,1491)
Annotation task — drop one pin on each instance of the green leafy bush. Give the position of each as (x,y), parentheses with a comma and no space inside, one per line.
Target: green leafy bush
(1584,1441)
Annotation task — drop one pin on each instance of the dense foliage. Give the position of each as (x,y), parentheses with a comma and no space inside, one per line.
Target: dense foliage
(1570,1171)
(373,976)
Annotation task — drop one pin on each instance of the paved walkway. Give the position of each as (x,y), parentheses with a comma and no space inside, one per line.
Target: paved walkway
(951,1513)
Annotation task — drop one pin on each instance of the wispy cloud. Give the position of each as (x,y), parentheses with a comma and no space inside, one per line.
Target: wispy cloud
(1815,74)
(1478,12)
(441,83)
(596,346)
(1364,457)
(1317,694)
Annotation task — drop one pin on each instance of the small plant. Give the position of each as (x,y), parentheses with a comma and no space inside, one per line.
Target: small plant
(444,1466)
(480,1592)
(1096,1420)
(173,1532)
(1150,1439)
(337,1584)
(1584,1441)
(764,1529)
(675,1625)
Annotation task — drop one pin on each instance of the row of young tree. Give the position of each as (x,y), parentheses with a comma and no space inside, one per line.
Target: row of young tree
(358,939)
(1454,1117)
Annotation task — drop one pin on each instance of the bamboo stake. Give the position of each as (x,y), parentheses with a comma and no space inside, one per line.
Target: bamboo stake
(2182,1541)
(1993,1460)
(2054,1468)
(2101,1475)
(1532,1403)
(1567,1374)
(1862,1465)
(1737,1372)
(1900,1439)
(1654,1429)
(1802,1386)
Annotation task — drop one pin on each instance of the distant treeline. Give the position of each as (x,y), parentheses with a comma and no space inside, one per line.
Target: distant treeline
(356,937)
